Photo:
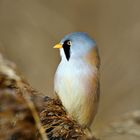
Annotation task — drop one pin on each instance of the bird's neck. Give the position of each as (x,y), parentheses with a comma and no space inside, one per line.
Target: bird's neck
(91,58)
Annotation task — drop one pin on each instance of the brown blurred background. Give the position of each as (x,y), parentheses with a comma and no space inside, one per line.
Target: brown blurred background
(30,28)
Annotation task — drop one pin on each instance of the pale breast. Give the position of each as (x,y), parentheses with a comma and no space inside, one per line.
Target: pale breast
(74,84)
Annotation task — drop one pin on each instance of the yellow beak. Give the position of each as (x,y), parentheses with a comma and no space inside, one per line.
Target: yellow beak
(58,46)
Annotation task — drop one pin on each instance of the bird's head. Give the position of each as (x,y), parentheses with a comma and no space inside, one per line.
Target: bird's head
(75,45)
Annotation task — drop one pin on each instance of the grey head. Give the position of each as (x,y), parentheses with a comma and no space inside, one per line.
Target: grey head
(75,45)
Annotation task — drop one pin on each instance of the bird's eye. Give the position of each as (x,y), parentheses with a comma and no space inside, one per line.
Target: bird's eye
(69,43)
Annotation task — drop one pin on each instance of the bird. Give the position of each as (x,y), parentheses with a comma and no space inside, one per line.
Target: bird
(77,78)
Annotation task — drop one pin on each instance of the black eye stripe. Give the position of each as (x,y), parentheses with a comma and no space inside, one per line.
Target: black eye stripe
(66,47)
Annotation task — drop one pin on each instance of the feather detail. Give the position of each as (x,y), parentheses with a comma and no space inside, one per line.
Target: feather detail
(77,86)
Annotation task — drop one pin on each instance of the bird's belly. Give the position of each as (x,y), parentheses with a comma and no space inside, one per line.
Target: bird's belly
(77,98)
